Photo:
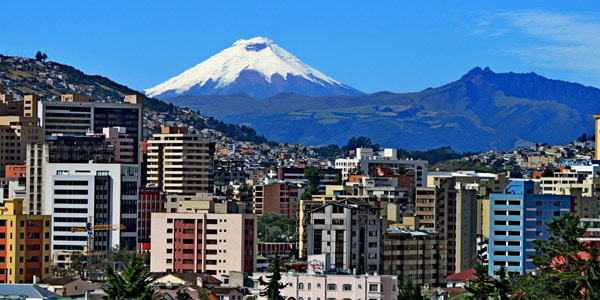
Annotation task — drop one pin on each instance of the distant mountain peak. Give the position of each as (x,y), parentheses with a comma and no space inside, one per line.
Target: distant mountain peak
(256,66)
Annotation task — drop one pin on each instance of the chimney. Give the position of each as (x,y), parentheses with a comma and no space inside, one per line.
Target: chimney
(35,279)
(199,281)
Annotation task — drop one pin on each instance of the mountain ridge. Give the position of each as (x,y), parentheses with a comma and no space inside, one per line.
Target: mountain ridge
(482,110)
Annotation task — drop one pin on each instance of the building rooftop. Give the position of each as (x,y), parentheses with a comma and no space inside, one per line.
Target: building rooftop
(27,290)
(463,276)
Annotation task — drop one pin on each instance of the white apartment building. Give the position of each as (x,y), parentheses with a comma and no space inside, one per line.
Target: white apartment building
(106,193)
(366,161)
(332,286)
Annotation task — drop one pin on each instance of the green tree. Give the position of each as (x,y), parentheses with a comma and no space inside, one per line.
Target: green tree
(482,287)
(409,291)
(571,268)
(203,294)
(274,228)
(133,284)
(273,287)
(78,262)
(38,56)
(313,175)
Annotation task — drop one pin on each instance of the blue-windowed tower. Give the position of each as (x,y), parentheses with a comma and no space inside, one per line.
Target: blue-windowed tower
(517,218)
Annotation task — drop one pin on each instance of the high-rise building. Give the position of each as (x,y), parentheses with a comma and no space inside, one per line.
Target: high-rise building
(350,232)
(203,242)
(24,244)
(106,193)
(76,115)
(180,163)
(418,256)
(280,198)
(518,217)
(60,149)
(150,200)
(17,129)
(450,209)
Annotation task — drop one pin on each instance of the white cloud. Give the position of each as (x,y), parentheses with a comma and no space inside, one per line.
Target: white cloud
(554,40)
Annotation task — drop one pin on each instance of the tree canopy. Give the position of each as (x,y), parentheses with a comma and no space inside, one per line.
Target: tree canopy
(133,284)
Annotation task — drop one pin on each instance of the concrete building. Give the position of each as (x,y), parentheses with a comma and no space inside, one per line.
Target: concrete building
(60,149)
(451,209)
(24,244)
(16,132)
(203,242)
(13,185)
(366,161)
(327,176)
(106,193)
(122,143)
(332,286)
(76,115)
(150,200)
(180,163)
(518,218)
(418,256)
(350,232)
(280,198)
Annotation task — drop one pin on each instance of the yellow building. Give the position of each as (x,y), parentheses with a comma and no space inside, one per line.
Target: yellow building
(24,244)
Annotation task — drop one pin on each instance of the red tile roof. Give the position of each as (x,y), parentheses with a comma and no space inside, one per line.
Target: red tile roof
(462,276)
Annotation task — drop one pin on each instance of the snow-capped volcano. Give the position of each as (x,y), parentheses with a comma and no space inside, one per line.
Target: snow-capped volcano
(255,66)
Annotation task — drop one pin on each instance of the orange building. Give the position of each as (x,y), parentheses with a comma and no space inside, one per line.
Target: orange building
(15,171)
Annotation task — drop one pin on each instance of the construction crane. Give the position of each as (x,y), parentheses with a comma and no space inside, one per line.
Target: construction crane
(90,230)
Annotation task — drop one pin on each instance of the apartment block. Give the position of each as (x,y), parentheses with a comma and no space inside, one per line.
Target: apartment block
(451,209)
(106,193)
(150,200)
(24,244)
(203,242)
(367,162)
(418,256)
(349,231)
(60,149)
(76,115)
(518,217)
(280,198)
(180,163)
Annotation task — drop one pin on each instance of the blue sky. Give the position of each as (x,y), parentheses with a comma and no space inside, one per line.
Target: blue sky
(370,45)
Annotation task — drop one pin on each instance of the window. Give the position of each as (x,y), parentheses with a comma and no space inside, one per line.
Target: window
(373,287)
(300,286)
(309,286)
(331,287)
(346,287)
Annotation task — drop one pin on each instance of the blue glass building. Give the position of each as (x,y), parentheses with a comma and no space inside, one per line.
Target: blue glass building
(517,218)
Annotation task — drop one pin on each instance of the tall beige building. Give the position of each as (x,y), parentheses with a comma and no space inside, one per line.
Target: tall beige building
(451,210)
(180,163)
(17,129)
